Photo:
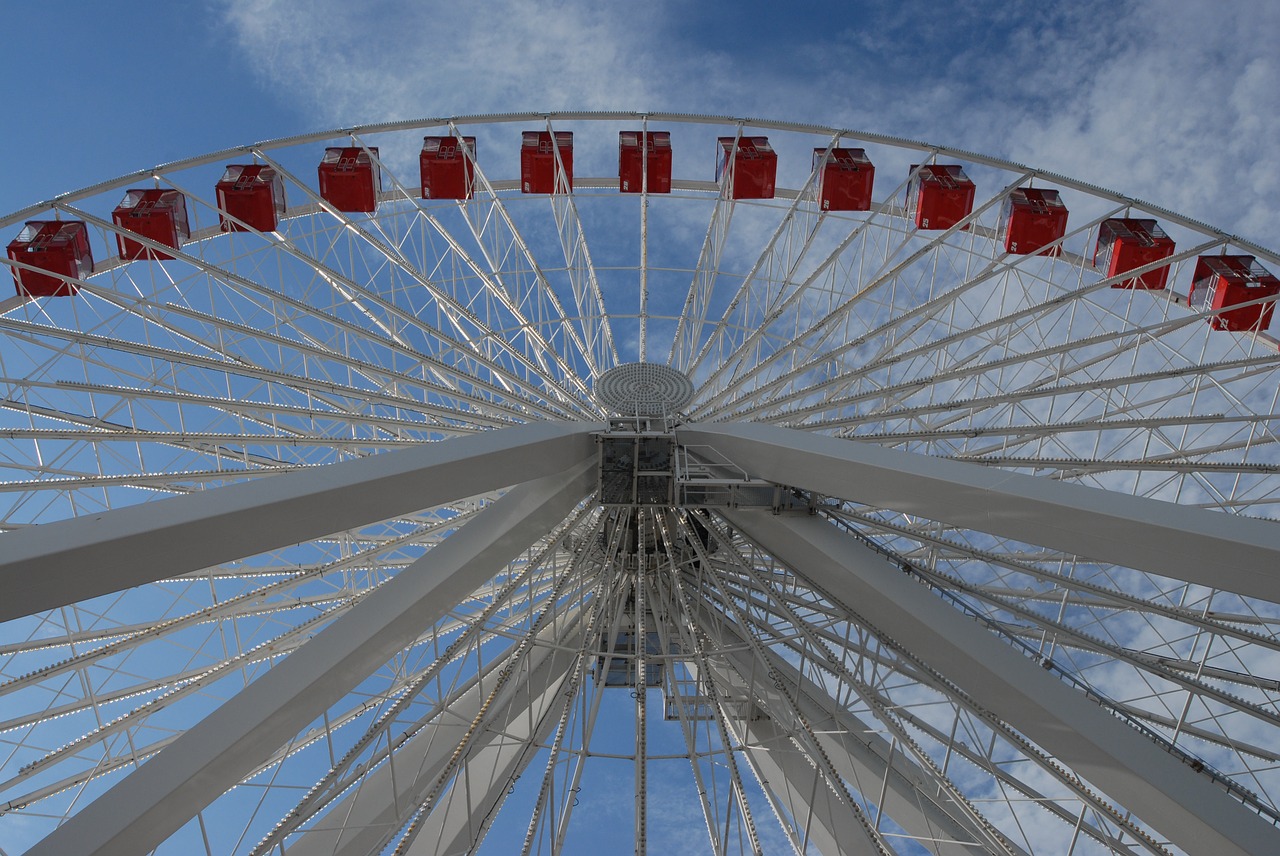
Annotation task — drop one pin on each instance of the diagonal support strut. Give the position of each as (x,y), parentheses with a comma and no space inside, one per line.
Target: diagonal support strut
(1140,775)
(154,801)
(1149,535)
(60,563)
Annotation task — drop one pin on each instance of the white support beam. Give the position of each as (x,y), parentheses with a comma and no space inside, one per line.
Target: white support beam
(55,564)
(388,796)
(513,737)
(911,797)
(799,787)
(1140,775)
(1224,551)
(157,799)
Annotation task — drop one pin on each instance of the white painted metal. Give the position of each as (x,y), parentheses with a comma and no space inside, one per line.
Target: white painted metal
(804,795)
(1160,537)
(685,341)
(922,802)
(599,349)
(523,289)
(642,348)
(383,801)
(860,754)
(43,567)
(346,336)
(146,807)
(462,336)
(694,637)
(458,825)
(1154,784)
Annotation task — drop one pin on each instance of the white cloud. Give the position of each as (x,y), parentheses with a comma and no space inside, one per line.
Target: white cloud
(1179,108)
(1172,102)
(360,63)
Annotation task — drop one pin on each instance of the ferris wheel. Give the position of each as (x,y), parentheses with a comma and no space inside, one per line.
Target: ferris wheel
(616,482)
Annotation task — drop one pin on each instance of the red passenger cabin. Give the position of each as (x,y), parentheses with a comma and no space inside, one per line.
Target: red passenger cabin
(1031,220)
(57,246)
(751,169)
(447,172)
(160,215)
(939,195)
(350,179)
(1126,244)
(1223,282)
(252,194)
(538,161)
(632,148)
(845,179)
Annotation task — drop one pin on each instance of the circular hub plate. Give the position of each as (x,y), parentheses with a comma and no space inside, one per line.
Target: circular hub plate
(644,389)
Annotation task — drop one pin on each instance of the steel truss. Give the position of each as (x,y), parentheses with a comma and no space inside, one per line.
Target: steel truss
(953,551)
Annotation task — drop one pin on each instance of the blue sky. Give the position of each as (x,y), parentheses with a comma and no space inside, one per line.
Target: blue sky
(1175,101)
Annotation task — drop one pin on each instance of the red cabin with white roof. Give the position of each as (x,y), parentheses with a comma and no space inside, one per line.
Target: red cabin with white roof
(57,246)
(939,195)
(750,168)
(446,170)
(633,148)
(156,214)
(538,161)
(1125,244)
(350,179)
(253,194)
(845,179)
(1223,282)
(1031,220)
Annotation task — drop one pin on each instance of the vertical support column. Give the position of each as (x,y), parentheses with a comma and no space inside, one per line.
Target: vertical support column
(644,242)
(642,681)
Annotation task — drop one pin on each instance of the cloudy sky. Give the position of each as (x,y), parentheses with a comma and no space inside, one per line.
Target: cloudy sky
(1174,102)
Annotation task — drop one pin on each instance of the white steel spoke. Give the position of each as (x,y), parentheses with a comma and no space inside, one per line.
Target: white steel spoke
(696,636)
(764,285)
(805,342)
(384,334)
(543,355)
(600,351)
(685,344)
(512,264)
(642,350)
(941,348)
(465,324)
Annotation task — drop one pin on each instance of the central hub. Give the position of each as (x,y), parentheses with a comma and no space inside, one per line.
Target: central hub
(642,465)
(637,467)
(644,389)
